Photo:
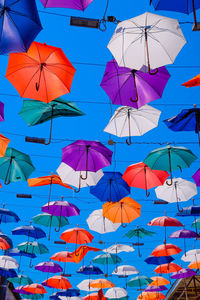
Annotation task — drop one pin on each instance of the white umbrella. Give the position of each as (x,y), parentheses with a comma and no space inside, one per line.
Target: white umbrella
(191,255)
(125,270)
(129,121)
(72,177)
(97,222)
(116,293)
(84,286)
(180,190)
(117,248)
(147,40)
(8,262)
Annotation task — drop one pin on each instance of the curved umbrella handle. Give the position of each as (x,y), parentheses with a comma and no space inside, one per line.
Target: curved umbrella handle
(77,191)
(152,73)
(86,176)
(150,2)
(179,168)
(131,99)
(57,230)
(37,86)
(128,141)
(123,225)
(147,193)
(180,210)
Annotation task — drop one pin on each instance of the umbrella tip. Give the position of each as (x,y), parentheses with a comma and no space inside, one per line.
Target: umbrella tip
(194,105)
(111,142)
(51,173)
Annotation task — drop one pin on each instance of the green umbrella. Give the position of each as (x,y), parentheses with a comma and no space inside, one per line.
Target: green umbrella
(33,296)
(20,279)
(48,220)
(36,112)
(170,158)
(139,281)
(15,166)
(107,259)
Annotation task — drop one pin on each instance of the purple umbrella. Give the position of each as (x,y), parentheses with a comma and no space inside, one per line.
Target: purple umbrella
(160,288)
(131,87)
(61,209)
(196,177)
(185,234)
(1,111)
(86,156)
(183,273)
(74,4)
(19,290)
(49,267)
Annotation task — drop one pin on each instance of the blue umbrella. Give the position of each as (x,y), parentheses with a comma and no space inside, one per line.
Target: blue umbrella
(184,6)
(68,293)
(19,25)
(153,260)
(89,270)
(8,216)
(17,252)
(30,231)
(186,120)
(7,273)
(193,210)
(111,187)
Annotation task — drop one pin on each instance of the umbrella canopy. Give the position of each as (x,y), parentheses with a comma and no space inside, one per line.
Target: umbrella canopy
(30,231)
(81,251)
(170,158)
(133,88)
(191,255)
(152,48)
(165,221)
(63,256)
(58,282)
(116,293)
(194,265)
(73,4)
(193,210)
(4,244)
(151,296)
(129,121)
(33,248)
(141,176)
(105,259)
(139,232)
(155,288)
(4,141)
(68,175)
(196,177)
(17,16)
(15,166)
(111,187)
(35,288)
(48,267)
(36,112)
(86,156)
(118,248)
(89,270)
(21,279)
(17,252)
(1,111)
(101,284)
(8,216)
(77,236)
(124,211)
(183,273)
(183,233)
(8,274)
(94,296)
(195,81)
(139,281)
(8,262)
(166,250)
(97,222)
(167,268)
(196,224)
(43,73)
(158,280)
(180,190)
(154,260)
(84,286)
(69,293)
(125,270)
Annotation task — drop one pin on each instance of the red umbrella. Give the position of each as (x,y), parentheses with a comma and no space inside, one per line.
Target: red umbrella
(141,176)
(34,288)
(57,282)
(166,250)
(167,268)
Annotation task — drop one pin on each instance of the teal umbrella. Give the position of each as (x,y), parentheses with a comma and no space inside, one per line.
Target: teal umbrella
(36,112)
(107,259)
(20,279)
(48,220)
(170,158)
(33,296)
(15,166)
(139,281)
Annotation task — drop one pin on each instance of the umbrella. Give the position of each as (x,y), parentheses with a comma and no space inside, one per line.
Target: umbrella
(129,121)
(167,268)
(20,279)
(133,88)
(61,209)
(101,284)
(37,112)
(97,222)
(180,190)
(33,248)
(141,176)
(32,296)
(196,177)
(8,262)
(170,158)
(124,211)
(94,296)
(166,222)
(107,259)
(183,273)
(30,231)
(125,270)
(17,252)
(116,293)
(73,4)
(8,216)
(154,260)
(89,270)
(68,175)
(191,255)
(20,26)
(166,250)
(4,245)
(15,166)
(186,7)
(58,282)
(111,187)
(4,141)
(35,288)
(118,248)
(156,288)
(43,73)
(185,234)
(192,82)
(186,120)
(86,156)
(155,41)
(63,256)
(1,111)
(151,296)
(48,267)
(48,220)
(81,251)
(84,286)
(194,265)
(139,281)
(8,274)
(158,280)
(69,293)
(193,210)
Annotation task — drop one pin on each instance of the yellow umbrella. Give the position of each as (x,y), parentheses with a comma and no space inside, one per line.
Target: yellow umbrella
(158,280)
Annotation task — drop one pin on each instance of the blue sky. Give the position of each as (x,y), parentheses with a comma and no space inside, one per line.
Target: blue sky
(86,49)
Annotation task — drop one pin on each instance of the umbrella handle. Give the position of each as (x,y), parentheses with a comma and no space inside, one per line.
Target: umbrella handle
(86,176)
(57,230)
(128,141)
(51,126)
(77,191)
(150,2)
(37,86)
(179,168)
(123,225)
(152,73)
(169,184)
(131,99)
(180,210)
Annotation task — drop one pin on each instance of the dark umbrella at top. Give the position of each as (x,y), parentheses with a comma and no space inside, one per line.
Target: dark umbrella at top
(30,231)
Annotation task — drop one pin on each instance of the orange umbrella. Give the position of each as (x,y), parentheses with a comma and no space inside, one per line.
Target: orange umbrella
(166,250)
(34,288)
(4,245)
(81,251)
(95,296)
(158,280)
(47,180)
(42,73)
(4,141)
(101,284)
(58,282)
(63,256)
(195,81)
(151,296)
(167,268)
(194,265)
(124,211)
